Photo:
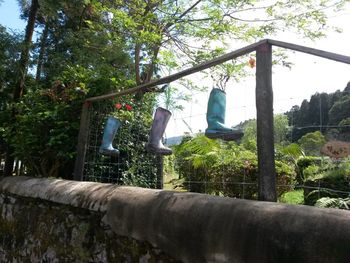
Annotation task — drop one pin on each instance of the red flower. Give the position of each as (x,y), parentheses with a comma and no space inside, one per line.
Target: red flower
(118,106)
(251,62)
(128,107)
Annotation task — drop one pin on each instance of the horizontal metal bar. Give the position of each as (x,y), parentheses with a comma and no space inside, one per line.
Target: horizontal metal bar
(186,72)
(222,59)
(311,51)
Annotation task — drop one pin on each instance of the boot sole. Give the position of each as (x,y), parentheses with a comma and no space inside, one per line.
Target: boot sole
(153,150)
(225,136)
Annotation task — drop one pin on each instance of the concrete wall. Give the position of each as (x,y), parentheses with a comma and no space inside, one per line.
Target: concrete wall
(44,219)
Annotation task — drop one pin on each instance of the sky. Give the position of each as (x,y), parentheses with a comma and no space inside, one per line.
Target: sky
(9,15)
(308,75)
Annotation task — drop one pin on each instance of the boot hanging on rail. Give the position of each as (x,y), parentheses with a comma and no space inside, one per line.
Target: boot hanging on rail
(160,121)
(216,118)
(110,130)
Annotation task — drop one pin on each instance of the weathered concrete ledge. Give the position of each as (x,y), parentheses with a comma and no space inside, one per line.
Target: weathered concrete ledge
(200,228)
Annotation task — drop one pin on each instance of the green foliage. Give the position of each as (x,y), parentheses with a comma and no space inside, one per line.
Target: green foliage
(76,61)
(307,166)
(214,166)
(249,138)
(280,131)
(134,166)
(327,202)
(306,161)
(9,54)
(310,172)
(46,130)
(280,127)
(95,47)
(290,154)
(340,110)
(312,142)
(295,197)
(321,179)
(323,110)
(139,167)
(173,34)
(311,197)
(172,98)
(291,151)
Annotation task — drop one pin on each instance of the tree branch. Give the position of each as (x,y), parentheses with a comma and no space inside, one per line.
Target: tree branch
(137,63)
(182,15)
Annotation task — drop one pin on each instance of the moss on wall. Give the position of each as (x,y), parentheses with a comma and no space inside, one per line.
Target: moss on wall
(34,230)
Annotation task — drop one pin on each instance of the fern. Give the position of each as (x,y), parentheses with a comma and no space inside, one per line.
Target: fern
(327,202)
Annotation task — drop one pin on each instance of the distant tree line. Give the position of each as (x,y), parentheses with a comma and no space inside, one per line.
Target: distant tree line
(327,113)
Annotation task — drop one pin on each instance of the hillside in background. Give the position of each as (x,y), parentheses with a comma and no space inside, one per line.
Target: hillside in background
(328,113)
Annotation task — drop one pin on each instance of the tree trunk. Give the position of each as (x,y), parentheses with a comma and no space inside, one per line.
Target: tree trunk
(18,92)
(42,51)
(23,66)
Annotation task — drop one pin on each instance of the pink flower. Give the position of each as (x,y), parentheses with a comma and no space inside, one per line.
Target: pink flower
(118,106)
(128,107)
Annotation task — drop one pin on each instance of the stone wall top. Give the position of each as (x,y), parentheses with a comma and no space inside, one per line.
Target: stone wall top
(89,195)
(201,228)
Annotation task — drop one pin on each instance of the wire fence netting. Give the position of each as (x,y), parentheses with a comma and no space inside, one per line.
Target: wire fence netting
(215,171)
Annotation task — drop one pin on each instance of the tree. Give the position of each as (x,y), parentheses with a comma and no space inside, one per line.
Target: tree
(322,111)
(312,142)
(100,46)
(24,59)
(280,128)
(340,110)
(67,73)
(9,54)
(190,32)
(23,66)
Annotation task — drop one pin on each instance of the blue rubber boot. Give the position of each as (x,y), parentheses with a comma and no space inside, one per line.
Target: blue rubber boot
(110,130)
(216,118)
(160,121)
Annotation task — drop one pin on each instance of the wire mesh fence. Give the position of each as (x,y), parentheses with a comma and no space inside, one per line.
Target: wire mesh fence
(239,179)
(135,166)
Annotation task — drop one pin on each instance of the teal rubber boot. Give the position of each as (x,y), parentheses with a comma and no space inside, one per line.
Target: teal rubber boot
(216,118)
(110,130)
(160,121)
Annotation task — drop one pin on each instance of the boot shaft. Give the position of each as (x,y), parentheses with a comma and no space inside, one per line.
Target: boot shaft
(111,127)
(160,122)
(216,111)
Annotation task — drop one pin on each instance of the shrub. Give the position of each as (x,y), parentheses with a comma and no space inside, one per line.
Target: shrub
(303,163)
(225,168)
(330,180)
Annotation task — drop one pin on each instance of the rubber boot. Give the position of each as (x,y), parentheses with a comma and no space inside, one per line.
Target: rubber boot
(216,118)
(160,121)
(110,130)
